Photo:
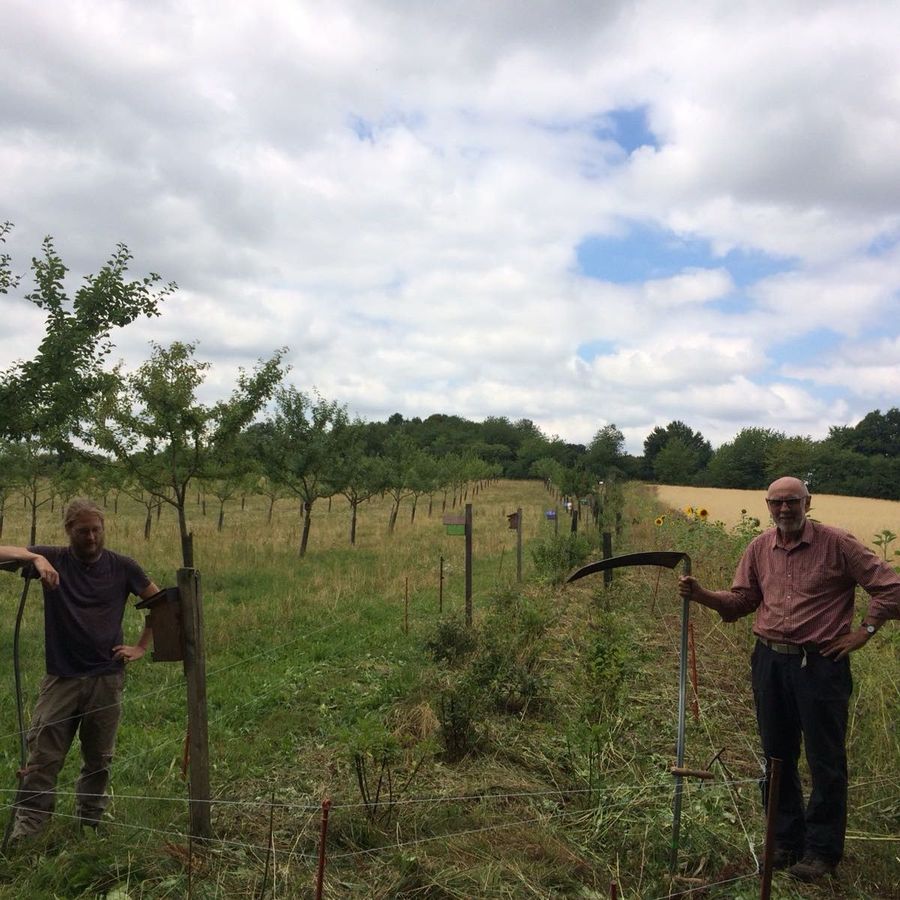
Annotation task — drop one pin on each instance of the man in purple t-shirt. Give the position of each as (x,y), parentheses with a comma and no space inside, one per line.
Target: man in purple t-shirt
(86,588)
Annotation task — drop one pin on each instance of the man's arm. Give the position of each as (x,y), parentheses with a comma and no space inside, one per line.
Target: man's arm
(883,586)
(730,605)
(133,652)
(48,575)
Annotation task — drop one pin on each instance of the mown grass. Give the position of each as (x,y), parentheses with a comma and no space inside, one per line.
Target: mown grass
(564,706)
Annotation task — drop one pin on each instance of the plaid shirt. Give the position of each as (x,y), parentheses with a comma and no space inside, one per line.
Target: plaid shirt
(804,594)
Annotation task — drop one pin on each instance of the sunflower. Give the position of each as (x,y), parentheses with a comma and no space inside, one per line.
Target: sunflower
(703,512)
(660,520)
(688,510)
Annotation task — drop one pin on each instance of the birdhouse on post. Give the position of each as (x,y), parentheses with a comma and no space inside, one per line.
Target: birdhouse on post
(166,623)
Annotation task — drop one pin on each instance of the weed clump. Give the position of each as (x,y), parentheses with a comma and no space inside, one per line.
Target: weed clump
(451,642)
(558,555)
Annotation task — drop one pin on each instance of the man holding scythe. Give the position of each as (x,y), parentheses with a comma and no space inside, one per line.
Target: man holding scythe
(800,579)
(85,590)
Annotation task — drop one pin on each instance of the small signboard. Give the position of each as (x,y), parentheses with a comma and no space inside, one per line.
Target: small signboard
(550,514)
(513,521)
(455,524)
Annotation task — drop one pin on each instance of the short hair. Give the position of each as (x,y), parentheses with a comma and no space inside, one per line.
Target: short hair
(79,507)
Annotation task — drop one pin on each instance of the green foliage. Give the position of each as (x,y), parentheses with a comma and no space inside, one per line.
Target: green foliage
(43,397)
(688,453)
(451,642)
(509,664)
(153,424)
(459,714)
(884,539)
(611,661)
(555,557)
(741,463)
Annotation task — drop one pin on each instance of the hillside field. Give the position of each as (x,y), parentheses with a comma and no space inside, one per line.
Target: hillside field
(862,516)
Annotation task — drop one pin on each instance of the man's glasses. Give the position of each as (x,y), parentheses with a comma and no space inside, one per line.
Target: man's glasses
(790,502)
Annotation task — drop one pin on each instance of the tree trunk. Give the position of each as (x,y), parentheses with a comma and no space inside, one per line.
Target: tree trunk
(148,522)
(430,504)
(393,520)
(271,510)
(187,540)
(221,515)
(307,521)
(412,515)
(352,524)
(33,540)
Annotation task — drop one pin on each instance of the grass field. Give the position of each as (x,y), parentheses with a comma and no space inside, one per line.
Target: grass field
(862,516)
(526,759)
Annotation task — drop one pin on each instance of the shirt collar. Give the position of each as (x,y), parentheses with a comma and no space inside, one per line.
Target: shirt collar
(806,536)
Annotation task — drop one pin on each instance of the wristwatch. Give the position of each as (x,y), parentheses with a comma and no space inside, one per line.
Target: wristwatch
(870,629)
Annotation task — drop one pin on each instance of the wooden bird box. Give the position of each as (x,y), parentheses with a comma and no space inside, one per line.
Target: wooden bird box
(165,621)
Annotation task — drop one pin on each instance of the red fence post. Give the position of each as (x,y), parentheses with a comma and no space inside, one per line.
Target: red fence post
(320,871)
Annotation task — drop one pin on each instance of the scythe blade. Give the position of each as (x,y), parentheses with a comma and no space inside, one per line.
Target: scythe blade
(667,558)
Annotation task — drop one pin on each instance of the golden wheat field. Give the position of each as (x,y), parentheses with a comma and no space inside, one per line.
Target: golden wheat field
(861,516)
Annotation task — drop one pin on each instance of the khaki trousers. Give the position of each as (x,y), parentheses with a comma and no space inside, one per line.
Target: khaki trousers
(91,707)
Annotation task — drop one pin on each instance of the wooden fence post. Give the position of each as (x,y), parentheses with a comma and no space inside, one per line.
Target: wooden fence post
(195,674)
(765,887)
(519,544)
(469,565)
(607,553)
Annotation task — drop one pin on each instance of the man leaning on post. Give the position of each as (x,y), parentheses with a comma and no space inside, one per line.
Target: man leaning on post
(86,588)
(800,579)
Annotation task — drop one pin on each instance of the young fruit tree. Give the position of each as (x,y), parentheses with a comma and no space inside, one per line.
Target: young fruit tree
(153,423)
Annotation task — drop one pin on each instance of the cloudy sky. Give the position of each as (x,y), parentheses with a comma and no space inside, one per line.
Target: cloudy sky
(576,212)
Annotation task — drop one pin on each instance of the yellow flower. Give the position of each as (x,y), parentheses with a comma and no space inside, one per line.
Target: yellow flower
(703,512)
(688,510)
(660,520)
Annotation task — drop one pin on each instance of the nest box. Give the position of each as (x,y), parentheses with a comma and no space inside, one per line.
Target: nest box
(165,621)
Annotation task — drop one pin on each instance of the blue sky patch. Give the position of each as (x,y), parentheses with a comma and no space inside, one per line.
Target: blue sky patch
(816,346)
(628,128)
(592,349)
(648,253)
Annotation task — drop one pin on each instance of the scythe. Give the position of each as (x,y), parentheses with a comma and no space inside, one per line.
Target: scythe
(669,559)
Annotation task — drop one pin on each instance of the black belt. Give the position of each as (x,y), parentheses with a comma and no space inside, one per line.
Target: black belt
(790,649)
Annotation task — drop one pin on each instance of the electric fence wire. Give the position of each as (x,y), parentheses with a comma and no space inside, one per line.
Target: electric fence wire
(433,800)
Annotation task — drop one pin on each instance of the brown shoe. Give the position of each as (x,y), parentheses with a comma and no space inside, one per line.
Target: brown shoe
(811,868)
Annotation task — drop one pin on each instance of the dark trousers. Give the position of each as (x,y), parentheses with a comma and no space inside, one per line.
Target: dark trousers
(811,701)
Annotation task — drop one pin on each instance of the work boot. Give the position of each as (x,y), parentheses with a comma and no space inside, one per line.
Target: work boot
(811,868)
(783,857)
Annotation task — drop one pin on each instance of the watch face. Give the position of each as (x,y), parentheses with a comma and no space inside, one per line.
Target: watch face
(870,629)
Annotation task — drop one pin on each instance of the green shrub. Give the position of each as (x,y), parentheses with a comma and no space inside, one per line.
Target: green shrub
(555,558)
(451,642)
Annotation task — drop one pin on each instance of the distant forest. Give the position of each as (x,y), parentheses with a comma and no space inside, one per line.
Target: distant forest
(862,460)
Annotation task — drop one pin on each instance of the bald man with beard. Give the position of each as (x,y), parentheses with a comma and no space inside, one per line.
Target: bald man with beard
(800,579)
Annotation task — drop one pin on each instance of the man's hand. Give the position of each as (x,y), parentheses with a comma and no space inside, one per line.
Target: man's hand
(129,652)
(48,575)
(686,586)
(846,643)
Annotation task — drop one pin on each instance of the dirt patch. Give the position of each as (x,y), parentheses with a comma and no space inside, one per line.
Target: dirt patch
(861,516)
